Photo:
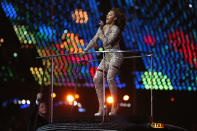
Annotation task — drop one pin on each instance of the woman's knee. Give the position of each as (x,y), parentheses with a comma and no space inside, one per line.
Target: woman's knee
(97,79)
(110,80)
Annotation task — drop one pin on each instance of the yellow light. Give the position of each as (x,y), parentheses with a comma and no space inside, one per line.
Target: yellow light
(76,96)
(109,99)
(125,97)
(70,98)
(53,95)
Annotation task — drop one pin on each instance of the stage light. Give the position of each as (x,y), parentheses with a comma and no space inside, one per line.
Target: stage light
(79,105)
(109,100)
(76,96)
(172,99)
(15,54)
(23,101)
(65,31)
(100,49)
(190,5)
(70,98)
(75,103)
(125,97)
(28,102)
(1,40)
(53,95)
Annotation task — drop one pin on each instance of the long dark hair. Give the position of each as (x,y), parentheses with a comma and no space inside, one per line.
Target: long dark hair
(121,18)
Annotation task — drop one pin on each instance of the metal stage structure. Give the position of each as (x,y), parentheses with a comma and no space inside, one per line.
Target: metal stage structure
(145,54)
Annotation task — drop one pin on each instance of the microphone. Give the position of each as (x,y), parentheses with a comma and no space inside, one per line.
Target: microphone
(98,22)
(101,24)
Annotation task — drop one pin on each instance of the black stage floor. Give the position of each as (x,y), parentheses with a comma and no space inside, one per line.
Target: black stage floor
(110,124)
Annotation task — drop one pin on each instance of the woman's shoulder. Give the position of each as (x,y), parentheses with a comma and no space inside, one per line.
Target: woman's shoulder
(115,27)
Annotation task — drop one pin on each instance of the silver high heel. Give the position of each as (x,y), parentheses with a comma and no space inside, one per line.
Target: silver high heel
(112,113)
(98,114)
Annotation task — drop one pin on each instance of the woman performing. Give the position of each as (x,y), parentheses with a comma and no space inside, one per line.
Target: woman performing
(110,35)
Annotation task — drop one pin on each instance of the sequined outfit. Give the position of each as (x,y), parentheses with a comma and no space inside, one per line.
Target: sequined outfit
(110,40)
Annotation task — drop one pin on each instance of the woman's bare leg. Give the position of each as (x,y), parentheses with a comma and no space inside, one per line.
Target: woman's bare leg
(98,82)
(113,89)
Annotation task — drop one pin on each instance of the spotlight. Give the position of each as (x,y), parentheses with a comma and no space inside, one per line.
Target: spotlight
(75,103)
(53,95)
(190,5)
(19,102)
(1,40)
(76,96)
(109,100)
(125,97)
(172,99)
(28,102)
(70,98)
(23,101)
(15,54)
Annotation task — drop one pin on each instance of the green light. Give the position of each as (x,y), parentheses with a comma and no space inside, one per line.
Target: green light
(5,79)
(67,38)
(155,73)
(11,75)
(144,82)
(189,88)
(170,87)
(165,77)
(156,87)
(165,87)
(147,87)
(161,87)
(166,47)
(160,74)
(3,67)
(40,82)
(15,54)
(100,49)
(25,41)
(159,80)
(29,41)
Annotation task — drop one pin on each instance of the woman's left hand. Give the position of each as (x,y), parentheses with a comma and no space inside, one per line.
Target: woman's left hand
(101,24)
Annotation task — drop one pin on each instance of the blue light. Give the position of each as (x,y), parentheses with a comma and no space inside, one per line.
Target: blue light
(24,106)
(81,109)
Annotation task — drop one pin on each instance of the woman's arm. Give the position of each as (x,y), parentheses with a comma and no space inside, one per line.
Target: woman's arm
(111,37)
(92,42)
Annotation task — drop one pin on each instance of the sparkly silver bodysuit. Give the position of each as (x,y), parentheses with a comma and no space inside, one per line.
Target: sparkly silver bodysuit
(113,61)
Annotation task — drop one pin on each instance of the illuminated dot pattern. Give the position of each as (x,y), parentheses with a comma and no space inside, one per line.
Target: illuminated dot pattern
(80,16)
(160,81)
(168,32)
(24,36)
(68,35)
(6,74)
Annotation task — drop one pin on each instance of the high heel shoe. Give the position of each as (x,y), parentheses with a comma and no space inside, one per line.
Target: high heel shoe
(113,110)
(112,113)
(98,114)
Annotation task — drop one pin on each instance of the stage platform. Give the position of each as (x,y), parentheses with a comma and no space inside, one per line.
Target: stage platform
(110,124)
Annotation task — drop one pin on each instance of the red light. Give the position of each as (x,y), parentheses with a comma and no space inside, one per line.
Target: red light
(172,99)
